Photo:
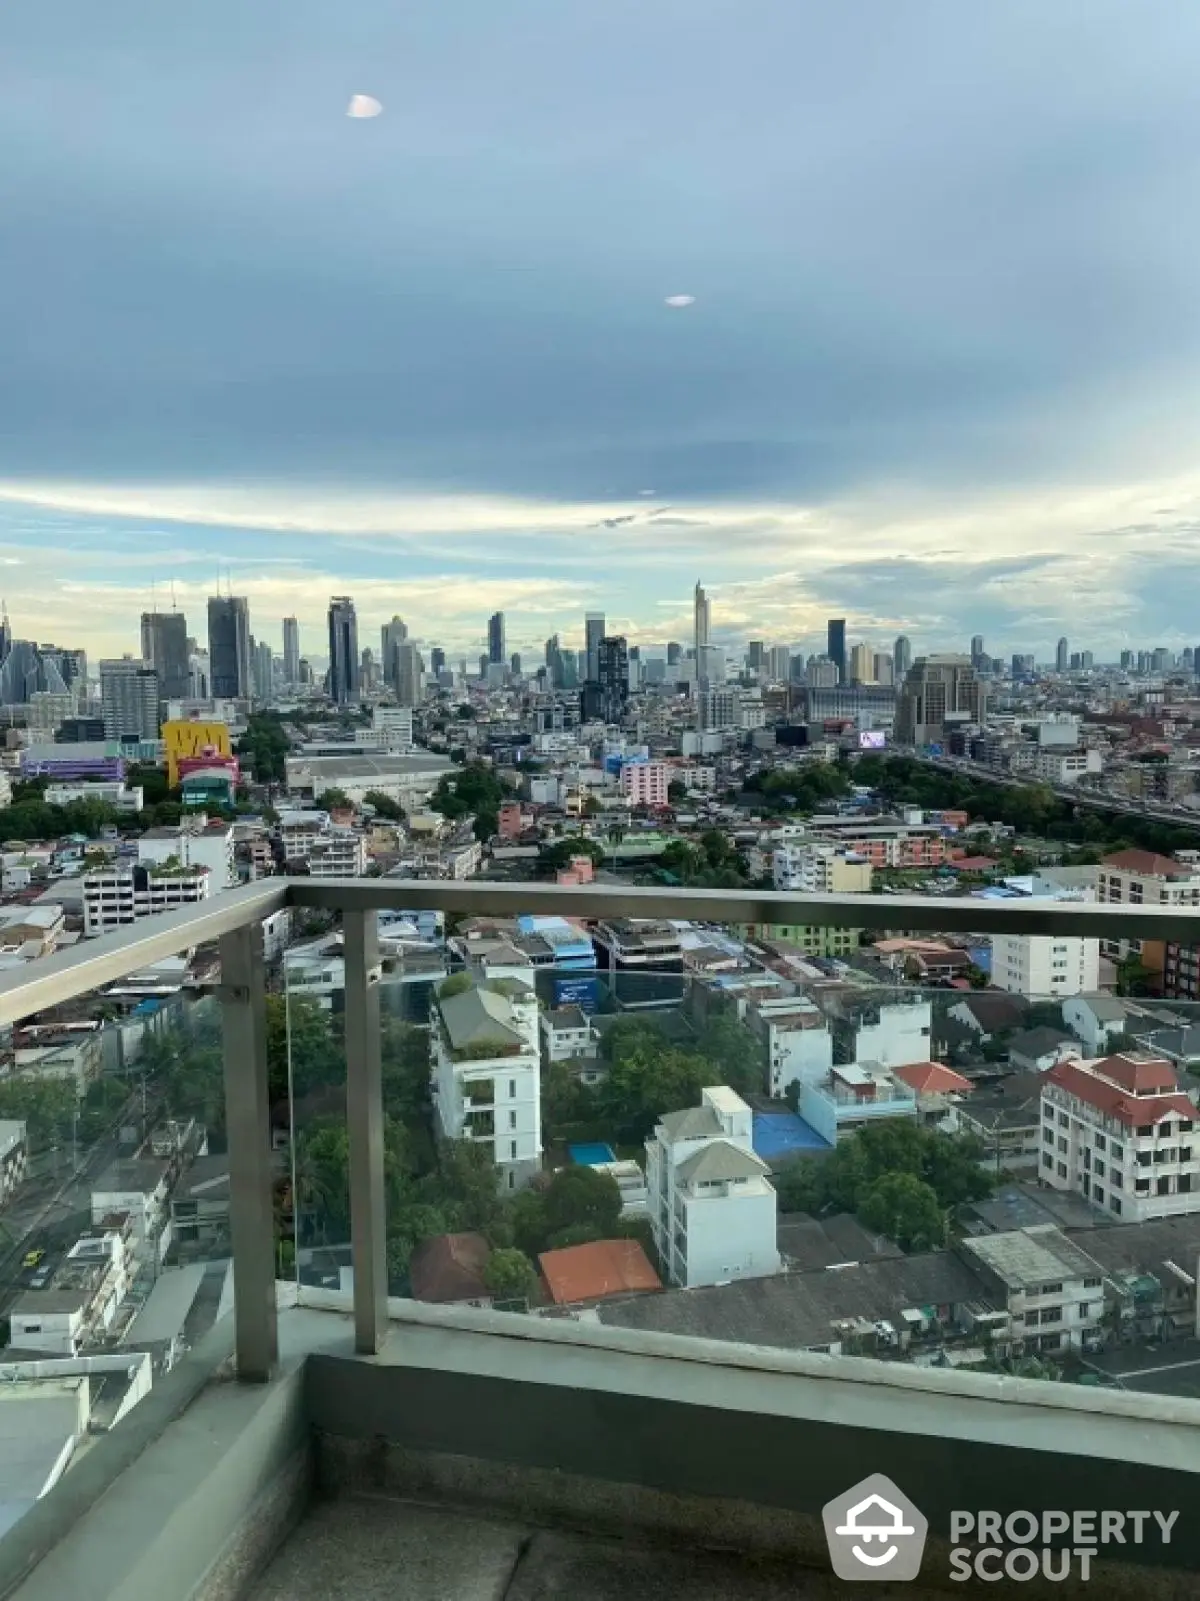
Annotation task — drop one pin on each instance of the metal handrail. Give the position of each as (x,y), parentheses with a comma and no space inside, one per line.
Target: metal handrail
(235,920)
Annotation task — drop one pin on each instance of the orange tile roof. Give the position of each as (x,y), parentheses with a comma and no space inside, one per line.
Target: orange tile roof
(933,1078)
(1141,1074)
(592,1272)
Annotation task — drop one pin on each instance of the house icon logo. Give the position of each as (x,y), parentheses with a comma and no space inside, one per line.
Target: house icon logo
(874,1532)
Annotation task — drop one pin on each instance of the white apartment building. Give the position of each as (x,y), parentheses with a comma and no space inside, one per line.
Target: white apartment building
(209,846)
(820,870)
(798,1043)
(391,729)
(118,895)
(894,1033)
(1060,766)
(341,853)
(487,1075)
(1119,1131)
(1045,965)
(121,796)
(712,1207)
(645,783)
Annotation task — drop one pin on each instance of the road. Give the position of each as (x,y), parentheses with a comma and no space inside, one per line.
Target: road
(1087,798)
(47,1212)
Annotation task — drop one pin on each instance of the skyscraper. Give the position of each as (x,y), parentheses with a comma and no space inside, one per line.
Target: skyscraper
(779,664)
(229,667)
(901,658)
(410,674)
(939,694)
(977,651)
(860,665)
(264,670)
(291,650)
(1062,656)
(613,680)
(391,637)
(674,652)
(437,660)
(343,651)
(129,699)
(496,637)
(756,655)
(165,648)
(835,649)
(593,633)
(702,619)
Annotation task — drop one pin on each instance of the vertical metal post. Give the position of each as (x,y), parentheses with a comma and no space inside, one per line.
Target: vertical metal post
(364,1115)
(247,1121)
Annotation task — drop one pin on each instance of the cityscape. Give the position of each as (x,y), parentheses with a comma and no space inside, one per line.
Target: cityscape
(599,801)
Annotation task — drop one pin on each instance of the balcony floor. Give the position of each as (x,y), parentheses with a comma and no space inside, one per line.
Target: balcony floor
(377,1549)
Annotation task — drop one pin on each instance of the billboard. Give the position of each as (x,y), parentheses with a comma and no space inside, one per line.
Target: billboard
(872,739)
(183,741)
(581,992)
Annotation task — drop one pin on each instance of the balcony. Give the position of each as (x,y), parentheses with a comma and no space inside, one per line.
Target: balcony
(338,1441)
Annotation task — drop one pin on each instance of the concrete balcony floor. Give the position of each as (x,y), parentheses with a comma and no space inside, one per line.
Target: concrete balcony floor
(366,1548)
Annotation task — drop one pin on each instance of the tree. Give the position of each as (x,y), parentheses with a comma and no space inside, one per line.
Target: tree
(266,744)
(676,792)
(906,1209)
(581,1196)
(510,1276)
(456,984)
(332,800)
(559,854)
(384,805)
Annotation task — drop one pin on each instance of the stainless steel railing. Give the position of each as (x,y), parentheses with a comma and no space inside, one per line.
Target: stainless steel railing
(235,921)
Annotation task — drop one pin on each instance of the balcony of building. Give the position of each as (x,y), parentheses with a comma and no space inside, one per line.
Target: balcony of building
(334,1440)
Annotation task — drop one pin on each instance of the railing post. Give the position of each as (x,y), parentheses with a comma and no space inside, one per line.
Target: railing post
(247,1121)
(364,1115)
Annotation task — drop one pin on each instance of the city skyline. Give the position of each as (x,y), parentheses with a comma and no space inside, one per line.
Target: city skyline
(939,379)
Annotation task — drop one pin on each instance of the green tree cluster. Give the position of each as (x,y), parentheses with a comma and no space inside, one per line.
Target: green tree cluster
(46,1106)
(900,1179)
(559,854)
(474,791)
(808,788)
(1028,808)
(266,744)
(387,808)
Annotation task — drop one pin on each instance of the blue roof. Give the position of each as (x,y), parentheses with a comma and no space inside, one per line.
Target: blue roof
(779,1134)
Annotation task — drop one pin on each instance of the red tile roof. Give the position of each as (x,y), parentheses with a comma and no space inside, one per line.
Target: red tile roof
(1148,863)
(933,1078)
(1114,1101)
(1140,1073)
(592,1272)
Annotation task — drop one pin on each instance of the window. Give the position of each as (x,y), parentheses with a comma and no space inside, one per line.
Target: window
(1142,1187)
(1099,1169)
(1062,1144)
(1098,1196)
(1085,1309)
(1052,1314)
(1062,1170)
(1143,1158)
(1051,1289)
(1092,1284)
(1063,1120)
(1144,1130)
(1163,1187)
(512,1120)
(1183,1185)
(1185,1125)
(513,1149)
(1099,1142)
(1048,1135)
(512,1089)
(1118,1152)
(1115,1204)
(1115,1181)
(1047,1159)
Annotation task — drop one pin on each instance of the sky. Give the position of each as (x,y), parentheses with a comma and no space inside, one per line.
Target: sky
(940,373)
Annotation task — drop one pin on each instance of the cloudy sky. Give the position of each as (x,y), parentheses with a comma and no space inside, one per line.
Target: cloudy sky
(940,375)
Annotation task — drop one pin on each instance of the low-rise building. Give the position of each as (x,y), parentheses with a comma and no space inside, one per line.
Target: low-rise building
(14,1157)
(712,1207)
(1052,1291)
(118,895)
(1120,1132)
(821,870)
(1096,1021)
(79,1303)
(851,1096)
(487,1074)
(797,1040)
(646,783)
(566,1035)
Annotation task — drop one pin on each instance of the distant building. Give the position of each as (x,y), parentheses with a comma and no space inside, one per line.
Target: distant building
(835,647)
(130,698)
(712,1207)
(291,652)
(344,669)
(820,870)
(229,666)
(939,693)
(165,648)
(1049,966)
(496,650)
(901,658)
(1144,878)
(646,783)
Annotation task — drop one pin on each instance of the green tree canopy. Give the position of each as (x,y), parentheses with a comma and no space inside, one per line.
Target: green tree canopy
(384,805)
(561,851)
(510,1276)
(904,1208)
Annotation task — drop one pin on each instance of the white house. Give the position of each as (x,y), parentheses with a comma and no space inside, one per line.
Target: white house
(487,1074)
(851,1096)
(798,1043)
(1096,1020)
(895,1034)
(566,1034)
(1121,1132)
(712,1207)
